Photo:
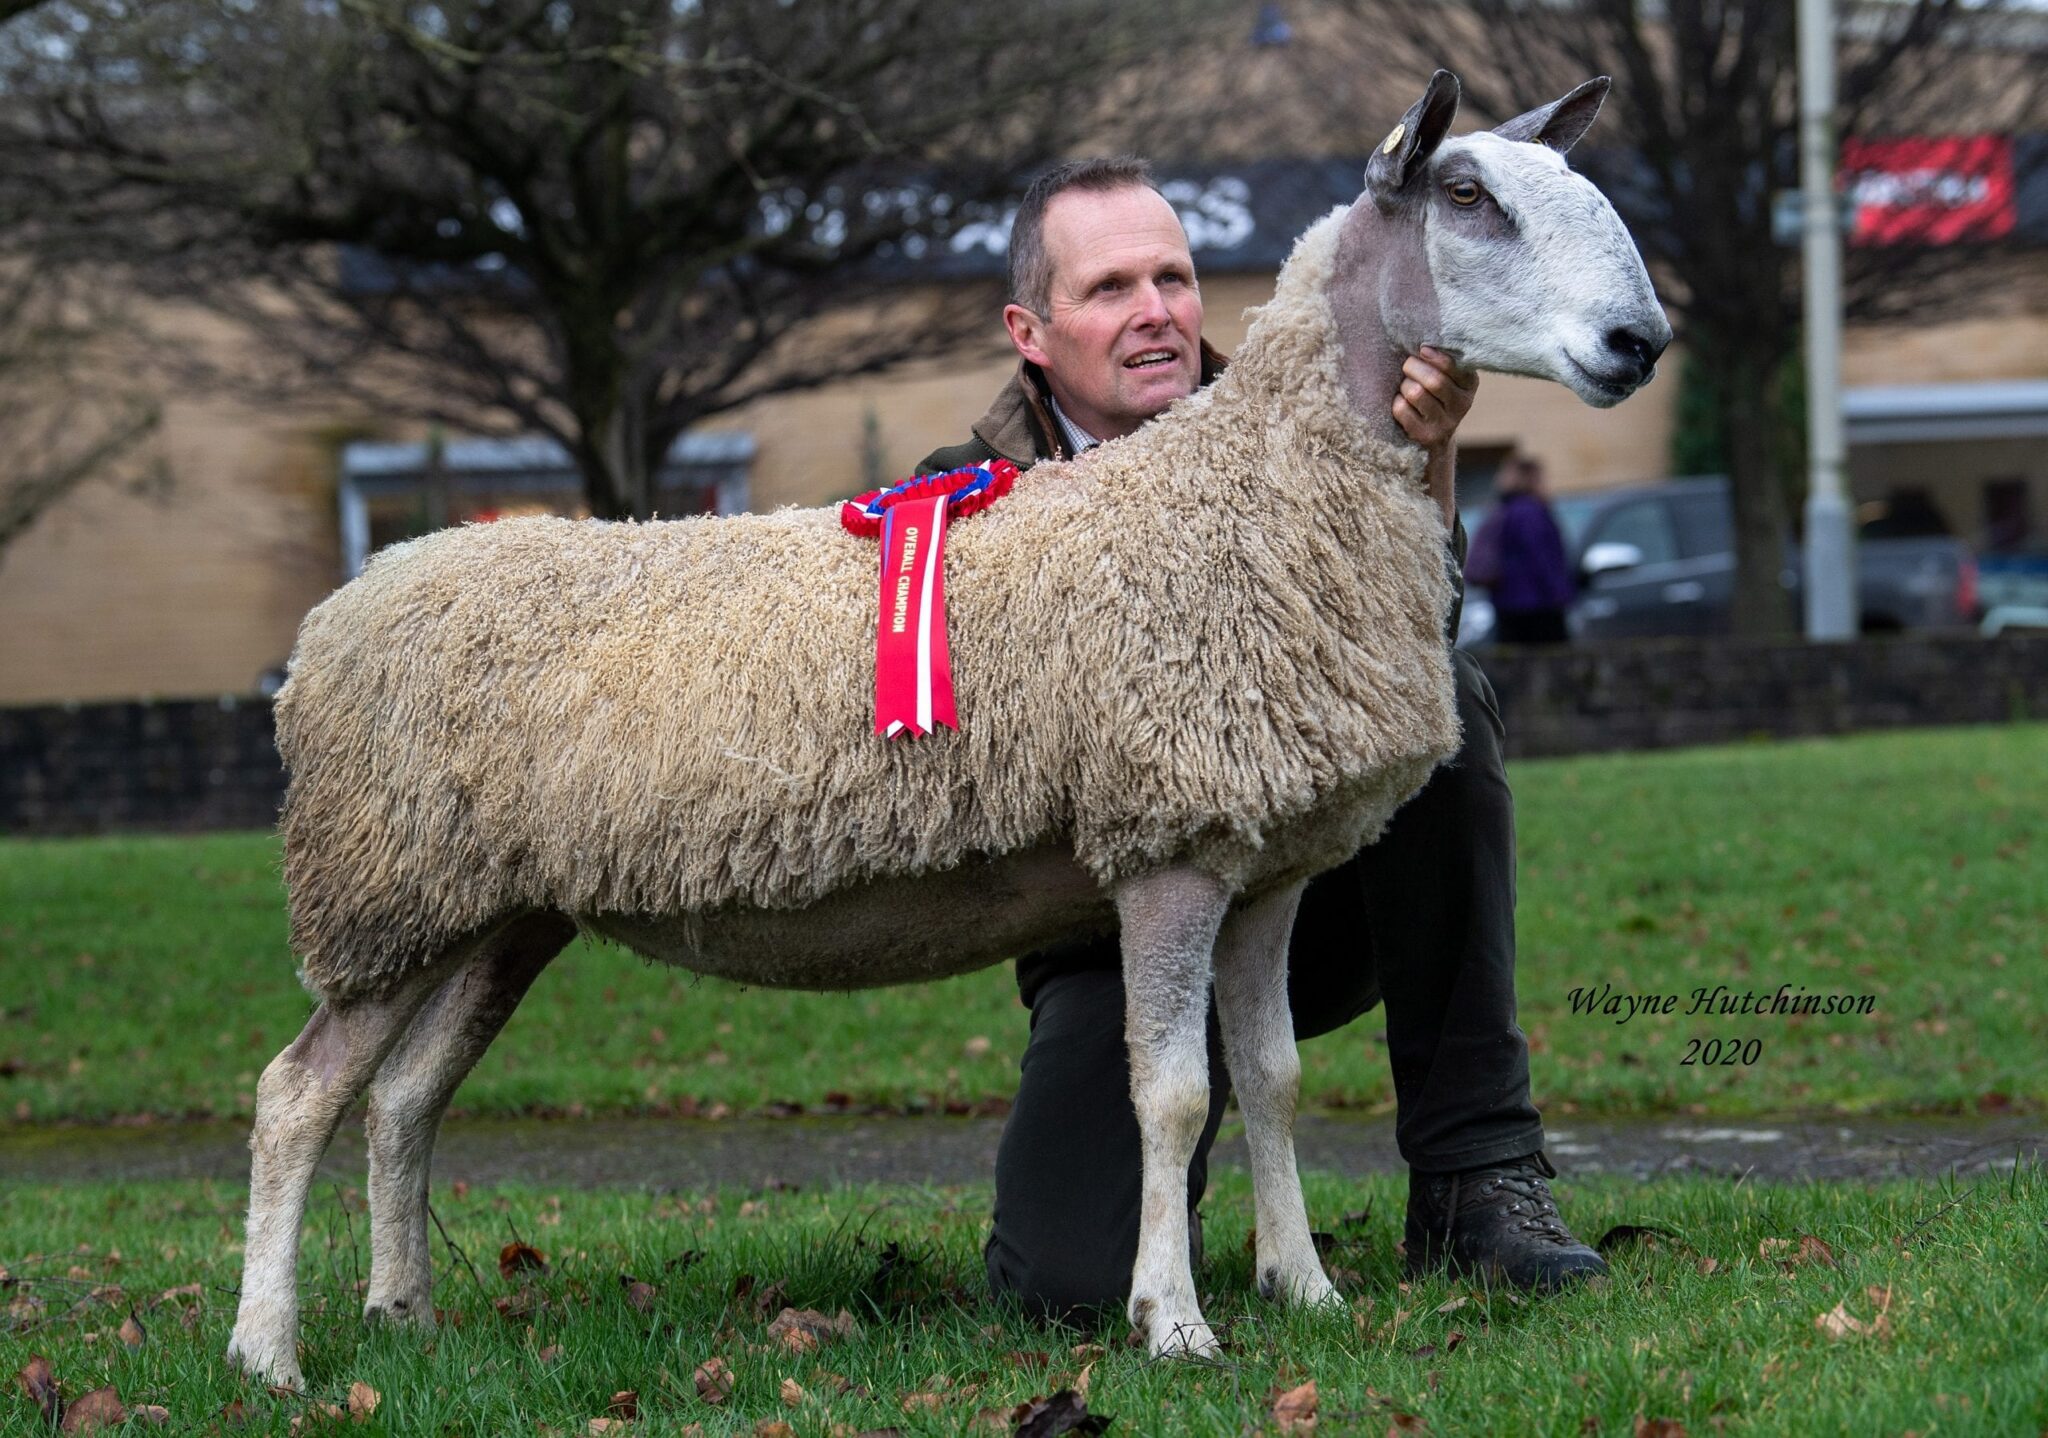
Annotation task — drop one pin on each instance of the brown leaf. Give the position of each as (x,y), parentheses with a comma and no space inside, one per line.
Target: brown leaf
(93,1411)
(1813,1250)
(773,1428)
(802,1330)
(1081,1383)
(362,1401)
(1621,1234)
(929,1402)
(771,1298)
(40,1384)
(639,1296)
(550,1354)
(1295,1410)
(234,1415)
(516,1258)
(625,1404)
(1837,1323)
(132,1334)
(714,1380)
(1709,1265)
(317,1417)
(183,1290)
(1452,1340)
(1063,1412)
(1087,1350)
(1659,1428)
(1405,1423)
(151,1413)
(598,1426)
(1020,1359)
(1452,1305)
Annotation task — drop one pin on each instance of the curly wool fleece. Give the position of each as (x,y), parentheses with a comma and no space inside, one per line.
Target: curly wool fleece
(1217,642)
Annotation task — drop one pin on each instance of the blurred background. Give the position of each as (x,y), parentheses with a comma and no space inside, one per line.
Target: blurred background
(282,283)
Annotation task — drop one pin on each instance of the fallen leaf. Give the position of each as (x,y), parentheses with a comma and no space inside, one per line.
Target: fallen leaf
(316,1417)
(1659,1428)
(1021,1359)
(518,1257)
(1453,1305)
(912,1402)
(154,1413)
(1081,1383)
(714,1380)
(1709,1265)
(362,1401)
(40,1384)
(792,1392)
(624,1405)
(93,1411)
(1452,1340)
(1405,1423)
(773,1428)
(597,1426)
(802,1330)
(639,1296)
(1063,1412)
(550,1354)
(1087,1350)
(132,1334)
(234,1415)
(1295,1410)
(1813,1250)
(1838,1323)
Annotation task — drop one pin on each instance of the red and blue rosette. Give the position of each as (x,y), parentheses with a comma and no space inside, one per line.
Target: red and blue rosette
(913,670)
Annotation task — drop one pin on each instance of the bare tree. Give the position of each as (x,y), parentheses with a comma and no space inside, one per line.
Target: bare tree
(602,221)
(1699,134)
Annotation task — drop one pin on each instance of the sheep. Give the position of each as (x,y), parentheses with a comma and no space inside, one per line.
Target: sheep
(1194,667)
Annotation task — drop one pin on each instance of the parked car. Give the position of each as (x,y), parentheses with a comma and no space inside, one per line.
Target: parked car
(1659,559)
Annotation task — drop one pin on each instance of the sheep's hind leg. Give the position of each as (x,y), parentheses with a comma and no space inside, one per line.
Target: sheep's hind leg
(1169,922)
(1265,1071)
(411,1092)
(300,1101)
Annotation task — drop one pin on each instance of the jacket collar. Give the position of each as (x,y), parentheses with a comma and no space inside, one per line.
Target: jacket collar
(1019,426)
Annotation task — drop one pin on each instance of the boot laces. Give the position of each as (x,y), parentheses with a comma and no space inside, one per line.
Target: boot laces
(1528,1196)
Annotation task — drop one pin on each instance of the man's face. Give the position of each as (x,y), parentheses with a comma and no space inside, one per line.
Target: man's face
(1123,337)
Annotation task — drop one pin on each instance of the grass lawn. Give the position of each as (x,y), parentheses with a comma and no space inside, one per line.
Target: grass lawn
(151,974)
(1761,1310)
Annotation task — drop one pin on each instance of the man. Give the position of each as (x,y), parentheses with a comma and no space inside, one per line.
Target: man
(1105,313)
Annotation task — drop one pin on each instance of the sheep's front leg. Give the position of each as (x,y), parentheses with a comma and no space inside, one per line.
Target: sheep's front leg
(1169,922)
(300,1101)
(411,1092)
(1265,1071)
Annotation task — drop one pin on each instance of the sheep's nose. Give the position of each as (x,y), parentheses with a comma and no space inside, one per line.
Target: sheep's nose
(1638,349)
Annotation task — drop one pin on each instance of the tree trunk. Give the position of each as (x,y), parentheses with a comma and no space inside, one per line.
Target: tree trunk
(1761,606)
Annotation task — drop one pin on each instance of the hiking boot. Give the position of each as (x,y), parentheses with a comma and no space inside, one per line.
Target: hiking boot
(1497,1223)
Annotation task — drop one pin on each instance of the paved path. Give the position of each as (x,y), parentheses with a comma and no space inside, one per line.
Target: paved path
(750,1153)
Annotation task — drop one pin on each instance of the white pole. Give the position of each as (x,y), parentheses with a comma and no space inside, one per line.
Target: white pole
(1830,537)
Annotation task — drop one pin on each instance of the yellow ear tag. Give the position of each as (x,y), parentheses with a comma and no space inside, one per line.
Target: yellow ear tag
(1394,139)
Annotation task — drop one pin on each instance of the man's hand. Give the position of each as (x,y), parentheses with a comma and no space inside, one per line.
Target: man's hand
(1434,398)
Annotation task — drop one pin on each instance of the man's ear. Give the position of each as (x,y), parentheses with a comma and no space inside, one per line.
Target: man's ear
(1409,144)
(1560,123)
(1027,333)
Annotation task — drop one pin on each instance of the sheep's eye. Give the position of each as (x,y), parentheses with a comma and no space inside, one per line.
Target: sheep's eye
(1464,192)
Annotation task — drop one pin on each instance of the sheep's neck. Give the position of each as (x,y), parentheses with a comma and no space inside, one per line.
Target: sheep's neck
(1383,298)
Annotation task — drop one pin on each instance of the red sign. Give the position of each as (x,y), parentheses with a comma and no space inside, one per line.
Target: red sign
(1923,190)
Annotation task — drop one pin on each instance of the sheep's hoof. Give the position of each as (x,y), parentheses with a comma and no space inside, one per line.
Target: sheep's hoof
(1307,1287)
(265,1366)
(1184,1340)
(399,1313)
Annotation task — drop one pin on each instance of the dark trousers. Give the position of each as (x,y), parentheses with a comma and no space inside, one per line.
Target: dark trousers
(1423,920)
(1530,626)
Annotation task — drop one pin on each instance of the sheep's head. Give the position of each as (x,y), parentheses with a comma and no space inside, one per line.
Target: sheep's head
(1491,248)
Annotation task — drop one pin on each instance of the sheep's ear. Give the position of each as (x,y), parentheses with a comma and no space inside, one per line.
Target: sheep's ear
(1409,144)
(1560,123)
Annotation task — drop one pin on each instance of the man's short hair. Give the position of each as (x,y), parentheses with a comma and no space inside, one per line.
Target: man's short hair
(1030,265)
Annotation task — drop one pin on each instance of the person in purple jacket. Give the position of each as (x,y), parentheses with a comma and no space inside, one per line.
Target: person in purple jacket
(1519,556)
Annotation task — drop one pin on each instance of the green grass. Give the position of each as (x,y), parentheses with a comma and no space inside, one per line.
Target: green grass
(152,975)
(1957,1273)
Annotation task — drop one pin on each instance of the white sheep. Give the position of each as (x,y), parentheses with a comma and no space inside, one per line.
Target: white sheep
(1194,667)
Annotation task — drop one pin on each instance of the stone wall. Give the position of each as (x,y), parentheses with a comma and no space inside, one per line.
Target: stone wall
(1654,694)
(92,768)
(212,764)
